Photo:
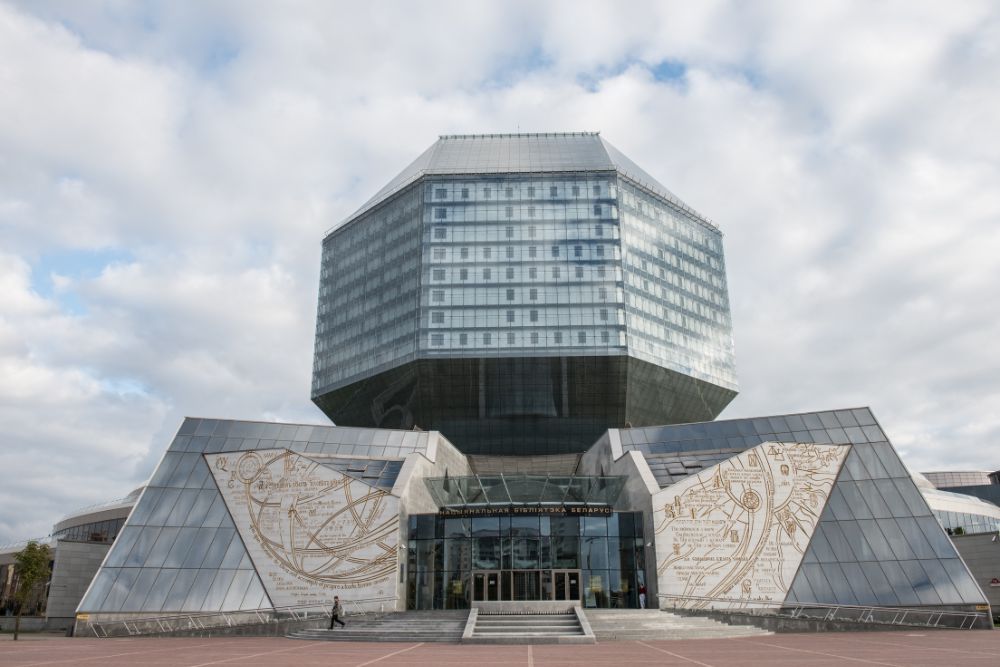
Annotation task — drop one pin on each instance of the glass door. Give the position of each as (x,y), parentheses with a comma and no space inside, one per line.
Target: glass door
(566,584)
(486,586)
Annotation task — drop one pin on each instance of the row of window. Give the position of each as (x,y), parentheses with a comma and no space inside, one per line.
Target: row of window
(488,214)
(440,253)
(438,316)
(512,338)
(556,272)
(466,192)
(437,295)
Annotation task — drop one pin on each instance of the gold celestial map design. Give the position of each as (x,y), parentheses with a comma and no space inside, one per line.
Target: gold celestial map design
(308,528)
(737,532)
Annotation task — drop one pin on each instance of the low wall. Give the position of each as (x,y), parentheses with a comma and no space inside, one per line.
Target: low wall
(776,623)
(28,623)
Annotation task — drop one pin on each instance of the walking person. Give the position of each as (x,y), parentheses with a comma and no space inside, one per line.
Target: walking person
(336,612)
(642,596)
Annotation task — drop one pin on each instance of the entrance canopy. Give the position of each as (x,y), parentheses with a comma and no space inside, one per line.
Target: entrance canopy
(500,491)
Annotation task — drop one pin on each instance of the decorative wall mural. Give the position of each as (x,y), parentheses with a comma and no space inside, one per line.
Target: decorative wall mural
(311,531)
(738,531)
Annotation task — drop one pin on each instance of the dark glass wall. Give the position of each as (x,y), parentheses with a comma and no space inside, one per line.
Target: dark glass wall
(96,531)
(444,552)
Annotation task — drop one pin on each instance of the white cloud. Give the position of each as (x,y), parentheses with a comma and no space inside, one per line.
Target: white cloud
(849,153)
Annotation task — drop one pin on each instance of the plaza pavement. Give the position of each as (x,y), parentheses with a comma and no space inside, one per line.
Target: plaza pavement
(895,649)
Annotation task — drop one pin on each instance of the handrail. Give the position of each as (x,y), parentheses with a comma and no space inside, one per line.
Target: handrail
(966,620)
(208,619)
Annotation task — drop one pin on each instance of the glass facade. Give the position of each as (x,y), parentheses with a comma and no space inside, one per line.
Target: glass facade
(179,549)
(456,561)
(536,290)
(369,295)
(675,289)
(96,531)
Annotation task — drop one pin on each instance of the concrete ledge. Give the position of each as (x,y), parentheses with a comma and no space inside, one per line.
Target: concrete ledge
(528,639)
(584,623)
(528,607)
(470,624)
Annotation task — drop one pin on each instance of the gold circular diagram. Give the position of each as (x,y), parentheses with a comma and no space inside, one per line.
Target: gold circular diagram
(248,467)
(751,500)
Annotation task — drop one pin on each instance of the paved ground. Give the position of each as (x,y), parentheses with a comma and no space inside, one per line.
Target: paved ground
(896,649)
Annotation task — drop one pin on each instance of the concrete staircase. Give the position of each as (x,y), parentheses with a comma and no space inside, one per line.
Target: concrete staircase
(555,628)
(643,624)
(410,626)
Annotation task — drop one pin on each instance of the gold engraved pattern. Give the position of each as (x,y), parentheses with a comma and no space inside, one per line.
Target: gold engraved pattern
(738,531)
(310,530)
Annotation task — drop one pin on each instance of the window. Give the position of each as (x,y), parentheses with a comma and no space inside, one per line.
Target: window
(437,296)
(597,210)
(440,232)
(463,274)
(602,293)
(555,251)
(532,252)
(510,192)
(438,274)
(438,253)
(531,191)
(440,193)
(532,273)
(533,294)
(605,338)
(531,231)
(437,339)
(510,252)
(437,317)
(598,230)
(531,211)
(464,253)
(510,232)
(604,314)
(579,272)
(558,337)
(487,252)
(555,272)
(486,193)
(600,250)
(576,190)
(510,315)
(487,274)
(510,337)
(440,213)
(534,338)
(465,193)
(510,273)
(553,191)
(578,251)
(463,339)
(600,272)
(581,337)
(510,295)
(487,339)
(597,190)
(509,211)
(533,315)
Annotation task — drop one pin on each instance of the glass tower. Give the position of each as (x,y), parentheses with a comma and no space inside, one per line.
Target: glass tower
(523,294)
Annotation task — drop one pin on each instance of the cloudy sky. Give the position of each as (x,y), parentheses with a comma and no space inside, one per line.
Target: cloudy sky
(167,171)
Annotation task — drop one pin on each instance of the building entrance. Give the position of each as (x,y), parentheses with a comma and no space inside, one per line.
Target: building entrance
(497,585)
